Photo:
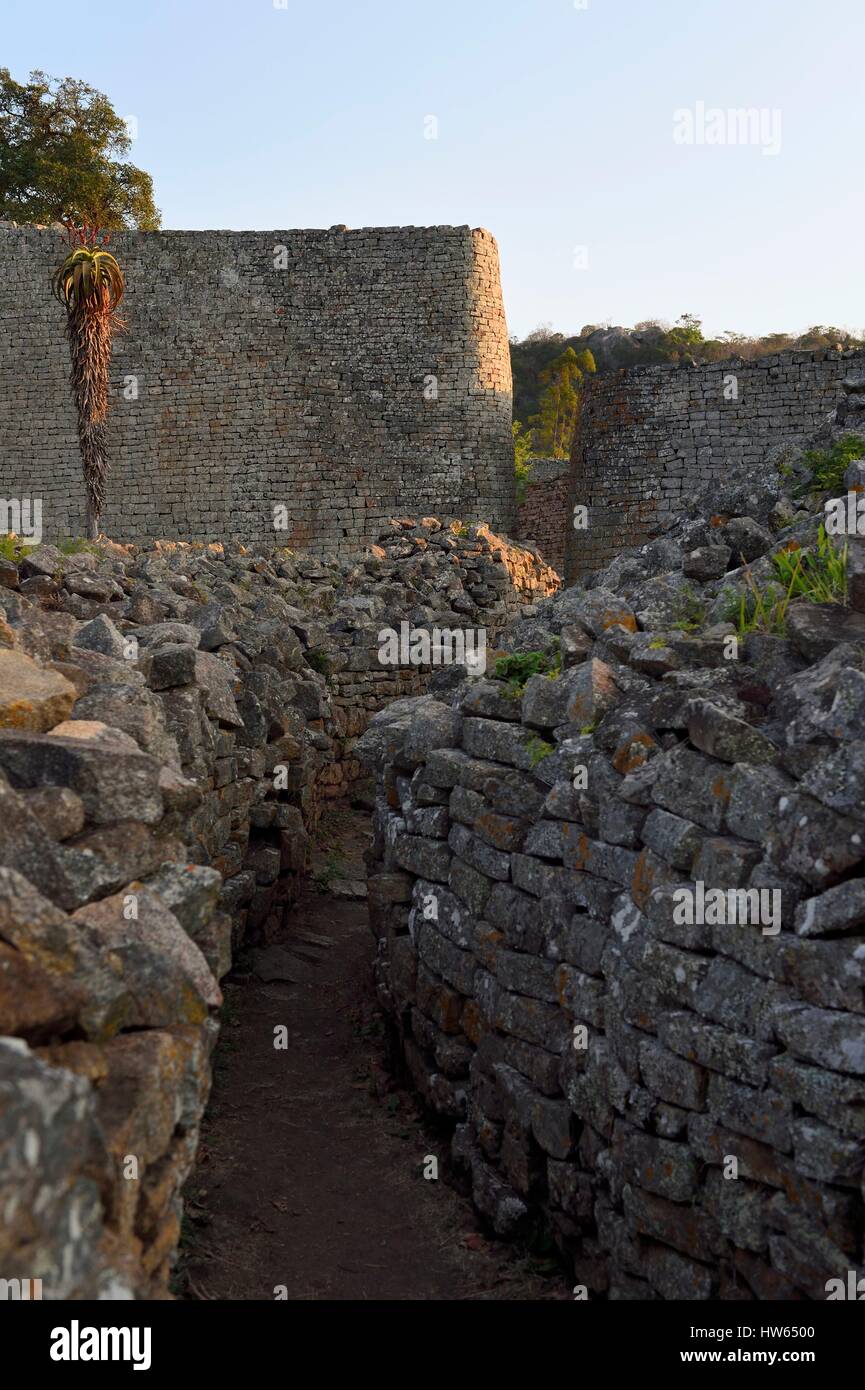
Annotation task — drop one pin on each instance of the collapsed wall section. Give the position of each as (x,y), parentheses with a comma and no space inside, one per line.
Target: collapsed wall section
(340,375)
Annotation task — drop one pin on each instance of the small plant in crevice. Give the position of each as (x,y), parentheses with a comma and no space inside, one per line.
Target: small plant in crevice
(519,666)
(318,659)
(689,611)
(538,749)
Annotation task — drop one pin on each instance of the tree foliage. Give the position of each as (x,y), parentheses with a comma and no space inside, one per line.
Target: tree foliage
(558,408)
(61,148)
(649,342)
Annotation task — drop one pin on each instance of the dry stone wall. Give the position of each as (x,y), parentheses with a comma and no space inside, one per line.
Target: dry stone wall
(172,719)
(342,375)
(651,438)
(543,515)
(619,913)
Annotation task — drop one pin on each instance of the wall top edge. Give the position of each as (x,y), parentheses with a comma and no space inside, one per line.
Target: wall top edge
(455,230)
(794,356)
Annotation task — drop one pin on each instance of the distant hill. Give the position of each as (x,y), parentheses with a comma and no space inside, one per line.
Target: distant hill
(648,343)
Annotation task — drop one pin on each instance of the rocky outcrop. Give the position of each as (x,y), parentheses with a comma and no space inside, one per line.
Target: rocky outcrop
(171,720)
(617,890)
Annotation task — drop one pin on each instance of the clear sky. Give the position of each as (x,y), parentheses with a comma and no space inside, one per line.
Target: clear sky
(555,129)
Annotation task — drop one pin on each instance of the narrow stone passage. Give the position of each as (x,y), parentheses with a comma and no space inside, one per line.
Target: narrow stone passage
(309,1182)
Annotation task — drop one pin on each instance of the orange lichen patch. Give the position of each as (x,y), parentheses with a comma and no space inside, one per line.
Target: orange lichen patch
(579,709)
(32,697)
(583,852)
(474,1023)
(721,789)
(642,880)
(84,1058)
(496,829)
(613,618)
(719,520)
(632,753)
(487,942)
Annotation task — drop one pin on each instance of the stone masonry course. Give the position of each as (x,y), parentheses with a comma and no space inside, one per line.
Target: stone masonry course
(342,375)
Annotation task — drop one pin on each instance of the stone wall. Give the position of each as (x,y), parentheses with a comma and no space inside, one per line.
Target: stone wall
(619,909)
(345,375)
(601,1063)
(543,515)
(172,720)
(650,438)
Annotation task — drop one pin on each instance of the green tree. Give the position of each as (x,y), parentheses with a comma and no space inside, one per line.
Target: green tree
(60,148)
(523,449)
(687,336)
(559,405)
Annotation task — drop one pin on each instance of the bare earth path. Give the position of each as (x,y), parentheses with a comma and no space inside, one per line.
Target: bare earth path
(309,1183)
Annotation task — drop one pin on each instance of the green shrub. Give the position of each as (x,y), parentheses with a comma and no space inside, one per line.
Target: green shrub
(518,667)
(828,466)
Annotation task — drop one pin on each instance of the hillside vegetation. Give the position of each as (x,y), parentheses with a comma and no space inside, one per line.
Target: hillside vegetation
(646,343)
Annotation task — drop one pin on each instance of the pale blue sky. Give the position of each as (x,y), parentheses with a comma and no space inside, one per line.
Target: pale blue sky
(555,131)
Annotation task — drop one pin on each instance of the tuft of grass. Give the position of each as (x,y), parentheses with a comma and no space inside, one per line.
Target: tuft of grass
(538,749)
(813,576)
(689,612)
(818,576)
(74,545)
(828,466)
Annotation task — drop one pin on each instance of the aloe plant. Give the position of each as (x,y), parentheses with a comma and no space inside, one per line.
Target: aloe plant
(90,285)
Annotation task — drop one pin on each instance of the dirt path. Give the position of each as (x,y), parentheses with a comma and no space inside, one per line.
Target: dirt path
(310,1173)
